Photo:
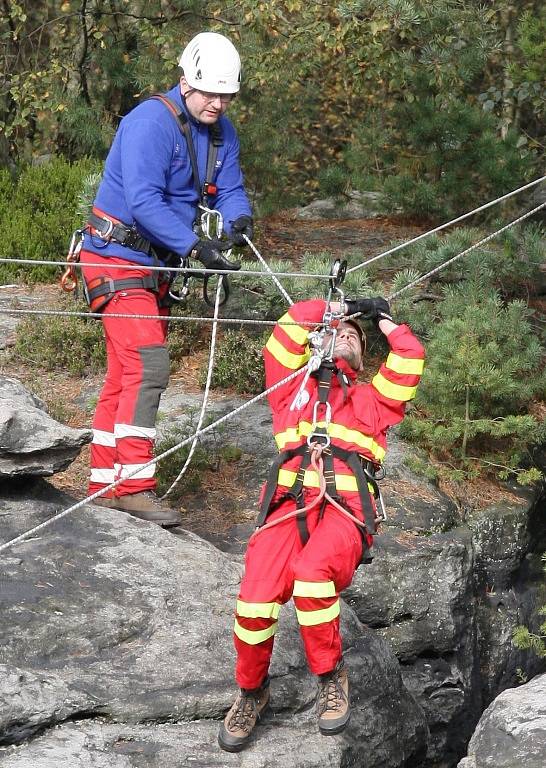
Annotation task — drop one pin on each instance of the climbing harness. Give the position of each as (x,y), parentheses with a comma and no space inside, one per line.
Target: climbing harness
(25,535)
(208,222)
(318,452)
(109,229)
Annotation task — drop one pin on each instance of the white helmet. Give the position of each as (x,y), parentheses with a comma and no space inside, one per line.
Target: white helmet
(211,63)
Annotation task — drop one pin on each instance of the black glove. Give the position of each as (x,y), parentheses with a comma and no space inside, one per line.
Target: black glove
(209,253)
(242,226)
(371,309)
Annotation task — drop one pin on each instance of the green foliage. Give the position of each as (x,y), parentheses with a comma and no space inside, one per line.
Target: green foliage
(453,160)
(333,181)
(185,338)
(363,88)
(238,363)
(207,456)
(38,213)
(485,367)
(203,458)
(60,343)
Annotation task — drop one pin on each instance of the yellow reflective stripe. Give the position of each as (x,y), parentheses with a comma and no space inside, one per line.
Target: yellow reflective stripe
(254,636)
(405,364)
(311,618)
(258,610)
(393,391)
(343,482)
(296,332)
(353,436)
(314,589)
(284,357)
(304,429)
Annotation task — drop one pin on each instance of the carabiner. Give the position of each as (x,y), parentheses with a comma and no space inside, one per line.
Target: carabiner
(69,279)
(207,217)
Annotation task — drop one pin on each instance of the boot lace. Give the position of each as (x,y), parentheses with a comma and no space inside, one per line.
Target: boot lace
(244,715)
(331,693)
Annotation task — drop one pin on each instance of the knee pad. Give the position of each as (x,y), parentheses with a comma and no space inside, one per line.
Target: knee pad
(155,377)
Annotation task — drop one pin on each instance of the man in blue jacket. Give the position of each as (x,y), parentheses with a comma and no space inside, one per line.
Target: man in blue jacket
(145,214)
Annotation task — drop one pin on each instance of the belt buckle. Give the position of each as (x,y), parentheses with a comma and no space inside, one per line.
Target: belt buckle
(109,229)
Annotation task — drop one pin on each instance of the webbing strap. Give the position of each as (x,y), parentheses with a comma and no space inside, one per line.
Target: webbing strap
(100,286)
(215,141)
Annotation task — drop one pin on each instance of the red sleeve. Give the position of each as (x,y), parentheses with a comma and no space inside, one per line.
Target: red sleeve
(287,348)
(396,381)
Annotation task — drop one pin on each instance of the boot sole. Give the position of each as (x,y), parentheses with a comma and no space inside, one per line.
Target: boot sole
(335,728)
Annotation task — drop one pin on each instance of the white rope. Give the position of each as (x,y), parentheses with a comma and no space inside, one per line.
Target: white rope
(193,270)
(164,318)
(268,269)
(444,226)
(205,430)
(206,393)
(25,535)
(465,252)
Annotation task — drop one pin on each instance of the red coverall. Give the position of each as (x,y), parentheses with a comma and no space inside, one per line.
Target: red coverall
(137,373)
(277,565)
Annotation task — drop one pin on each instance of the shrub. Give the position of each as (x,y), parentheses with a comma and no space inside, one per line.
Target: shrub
(71,344)
(38,213)
(168,469)
(484,370)
(208,455)
(238,363)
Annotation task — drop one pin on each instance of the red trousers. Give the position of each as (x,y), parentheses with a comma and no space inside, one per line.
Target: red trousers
(277,567)
(137,373)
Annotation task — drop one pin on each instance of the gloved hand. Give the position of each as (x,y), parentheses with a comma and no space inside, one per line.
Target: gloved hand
(371,309)
(242,226)
(210,254)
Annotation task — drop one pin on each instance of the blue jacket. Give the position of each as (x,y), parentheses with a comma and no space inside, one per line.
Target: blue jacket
(148,180)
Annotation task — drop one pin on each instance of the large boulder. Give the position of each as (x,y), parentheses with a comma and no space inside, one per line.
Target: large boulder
(31,442)
(512,730)
(119,633)
(357,205)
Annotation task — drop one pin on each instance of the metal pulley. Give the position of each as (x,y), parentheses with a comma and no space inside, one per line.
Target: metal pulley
(337,273)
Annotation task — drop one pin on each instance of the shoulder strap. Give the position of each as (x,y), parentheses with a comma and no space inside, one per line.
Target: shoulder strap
(215,141)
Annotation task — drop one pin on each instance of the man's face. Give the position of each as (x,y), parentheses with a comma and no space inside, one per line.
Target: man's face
(347,346)
(203,106)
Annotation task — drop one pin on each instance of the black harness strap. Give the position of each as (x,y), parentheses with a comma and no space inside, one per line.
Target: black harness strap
(118,232)
(215,141)
(100,290)
(361,468)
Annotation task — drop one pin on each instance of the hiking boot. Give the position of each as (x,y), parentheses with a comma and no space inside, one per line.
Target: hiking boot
(100,501)
(333,700)
(239,722)
(146,506)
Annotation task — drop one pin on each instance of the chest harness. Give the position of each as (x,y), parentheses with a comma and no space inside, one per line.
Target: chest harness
(319,453)
(100,290)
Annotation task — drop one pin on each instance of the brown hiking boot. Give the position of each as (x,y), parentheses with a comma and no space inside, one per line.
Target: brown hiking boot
(146,506)
(333,700)
(239,722)
(100,501)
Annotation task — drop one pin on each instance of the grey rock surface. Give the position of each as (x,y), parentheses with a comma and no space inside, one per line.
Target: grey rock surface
(511,732)
(31,442)
(358,205)
(18,297)
(112,626)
